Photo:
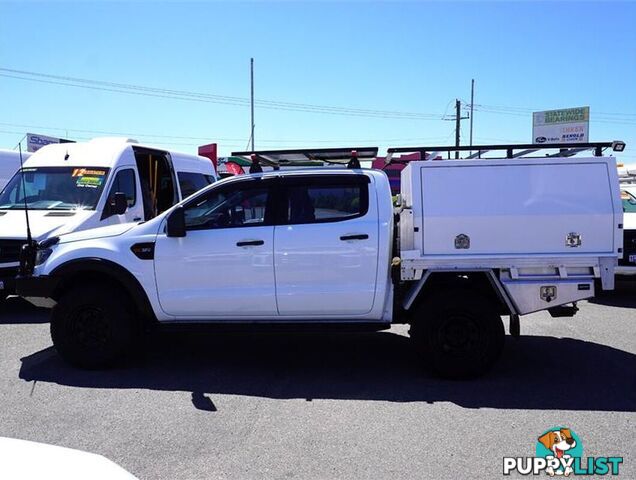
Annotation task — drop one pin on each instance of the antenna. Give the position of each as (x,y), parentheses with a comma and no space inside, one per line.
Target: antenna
(27,253)
(26,207)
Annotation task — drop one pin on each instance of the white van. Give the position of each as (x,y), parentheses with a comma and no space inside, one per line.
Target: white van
(9,164)
(77,186)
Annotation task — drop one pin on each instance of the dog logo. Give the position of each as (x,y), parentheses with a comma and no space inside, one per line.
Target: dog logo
(559,452)
(561,444)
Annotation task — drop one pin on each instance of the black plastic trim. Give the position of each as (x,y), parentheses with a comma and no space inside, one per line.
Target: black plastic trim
(39,286)
(8,276)
(144,250)
(107,270)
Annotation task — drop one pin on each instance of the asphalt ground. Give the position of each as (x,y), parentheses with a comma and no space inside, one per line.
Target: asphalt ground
(326,406)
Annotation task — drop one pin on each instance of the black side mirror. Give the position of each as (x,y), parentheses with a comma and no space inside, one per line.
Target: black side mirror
(119,204)
(175,225)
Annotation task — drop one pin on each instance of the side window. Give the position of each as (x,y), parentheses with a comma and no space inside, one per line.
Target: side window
(125,182)
(331,201)
(193,182)
(629,202)
(228,208)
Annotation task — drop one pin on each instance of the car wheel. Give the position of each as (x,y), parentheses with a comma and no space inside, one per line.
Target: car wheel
(94,326)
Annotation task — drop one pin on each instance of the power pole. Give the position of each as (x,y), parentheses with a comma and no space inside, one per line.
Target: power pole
(457,119)
(252,98)
(472,101)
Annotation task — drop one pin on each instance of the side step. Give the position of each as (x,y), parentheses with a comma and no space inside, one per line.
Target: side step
(311,326)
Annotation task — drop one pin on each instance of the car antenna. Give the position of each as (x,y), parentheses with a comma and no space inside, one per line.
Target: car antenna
(26,205)
(26,253)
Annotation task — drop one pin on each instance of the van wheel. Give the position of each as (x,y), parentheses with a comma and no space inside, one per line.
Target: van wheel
(459,335)
(94,326)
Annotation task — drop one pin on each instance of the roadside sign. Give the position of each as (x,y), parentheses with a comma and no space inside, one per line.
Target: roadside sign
(568,125)
(36,141)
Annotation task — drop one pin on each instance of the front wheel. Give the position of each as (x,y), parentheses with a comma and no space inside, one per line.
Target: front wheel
(94,326)
(459,334)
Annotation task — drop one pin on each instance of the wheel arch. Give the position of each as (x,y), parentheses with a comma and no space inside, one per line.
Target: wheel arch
(484,281)
(102,270)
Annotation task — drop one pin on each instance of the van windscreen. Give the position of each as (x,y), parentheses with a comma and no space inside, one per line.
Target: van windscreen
(54,188)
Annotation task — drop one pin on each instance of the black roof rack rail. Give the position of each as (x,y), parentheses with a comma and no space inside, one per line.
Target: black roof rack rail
(565,149)
(309,156)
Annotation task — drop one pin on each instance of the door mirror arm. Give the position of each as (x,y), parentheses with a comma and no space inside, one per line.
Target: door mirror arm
(175,225)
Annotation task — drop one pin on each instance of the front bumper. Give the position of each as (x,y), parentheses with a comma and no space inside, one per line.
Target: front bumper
(7,280)
(36,286)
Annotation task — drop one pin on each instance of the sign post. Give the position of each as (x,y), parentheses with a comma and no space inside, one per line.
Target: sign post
(569,125)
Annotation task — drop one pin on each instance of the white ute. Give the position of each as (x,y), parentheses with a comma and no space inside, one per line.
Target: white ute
(76,186)
(476,240)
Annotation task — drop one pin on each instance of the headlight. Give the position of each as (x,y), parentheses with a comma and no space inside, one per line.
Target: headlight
(42,255)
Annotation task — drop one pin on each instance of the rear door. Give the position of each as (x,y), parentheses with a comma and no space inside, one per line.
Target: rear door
(326,245)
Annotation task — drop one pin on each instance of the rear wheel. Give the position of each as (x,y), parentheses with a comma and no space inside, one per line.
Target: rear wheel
(94,326)
(459,334)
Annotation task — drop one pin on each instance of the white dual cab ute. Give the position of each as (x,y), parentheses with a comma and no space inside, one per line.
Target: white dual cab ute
(76,186)
(472,240)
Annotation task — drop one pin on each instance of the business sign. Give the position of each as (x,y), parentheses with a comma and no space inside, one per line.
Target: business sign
(569,125)
(36,141)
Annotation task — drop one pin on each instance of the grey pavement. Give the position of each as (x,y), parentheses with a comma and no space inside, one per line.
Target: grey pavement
(326,406)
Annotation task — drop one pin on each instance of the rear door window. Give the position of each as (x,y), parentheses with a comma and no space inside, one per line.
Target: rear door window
(193,182)
(324,199)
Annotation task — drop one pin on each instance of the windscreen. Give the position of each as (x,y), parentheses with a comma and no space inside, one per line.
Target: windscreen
(54,188)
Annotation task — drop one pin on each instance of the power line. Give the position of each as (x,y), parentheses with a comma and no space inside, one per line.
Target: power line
(207,98)
(528,109)
(594,119)
(207,139)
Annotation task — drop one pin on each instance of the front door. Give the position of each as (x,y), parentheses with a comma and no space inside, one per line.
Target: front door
(326,252)
(123,180)
(223,267)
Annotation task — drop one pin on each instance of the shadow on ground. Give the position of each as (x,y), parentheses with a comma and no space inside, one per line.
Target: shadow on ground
(535,372)
(16,310)
(623,295)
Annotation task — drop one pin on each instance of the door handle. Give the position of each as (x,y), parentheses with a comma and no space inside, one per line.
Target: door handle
(136,219)
(249,243)
(359,236)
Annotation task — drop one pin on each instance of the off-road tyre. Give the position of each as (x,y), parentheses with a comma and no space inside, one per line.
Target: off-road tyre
(459,334)
(94,326)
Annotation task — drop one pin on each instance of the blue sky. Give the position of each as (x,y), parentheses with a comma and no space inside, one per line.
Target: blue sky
(405,57)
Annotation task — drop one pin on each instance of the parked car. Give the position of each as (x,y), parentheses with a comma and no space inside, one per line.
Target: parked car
(25,460)
(76,186)
(316,248)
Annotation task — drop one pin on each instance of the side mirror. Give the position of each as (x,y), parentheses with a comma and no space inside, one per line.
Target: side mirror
(175,225)
(119,205)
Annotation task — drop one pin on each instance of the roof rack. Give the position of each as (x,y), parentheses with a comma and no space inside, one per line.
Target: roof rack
(512,150)
(309,157)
